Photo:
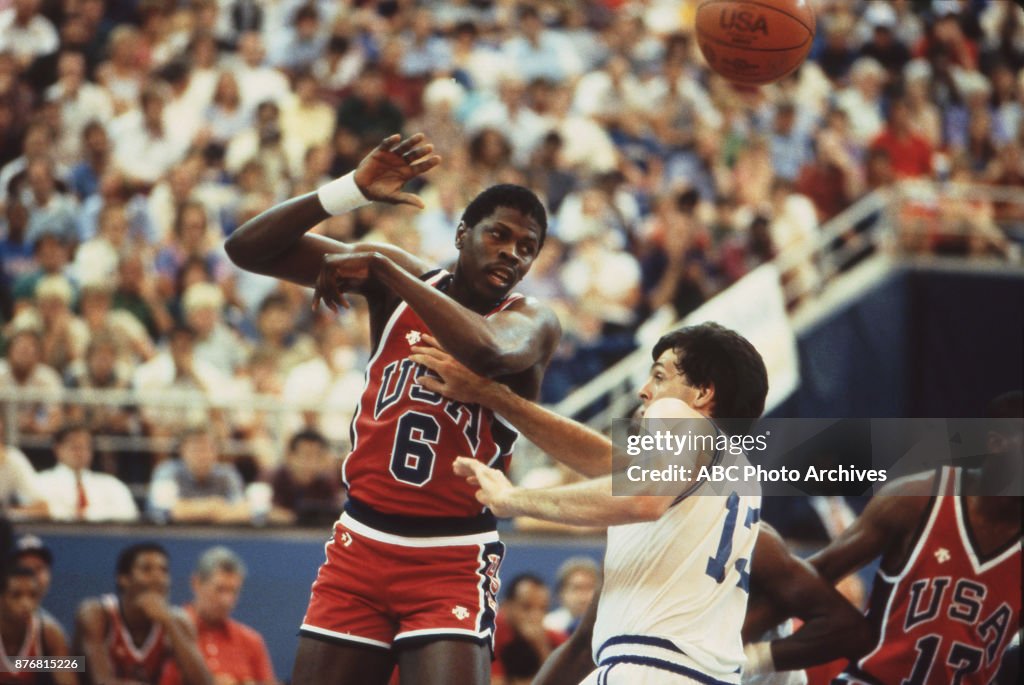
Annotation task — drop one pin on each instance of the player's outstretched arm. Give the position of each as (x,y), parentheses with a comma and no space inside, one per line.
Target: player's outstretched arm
(589,503)
(884,526)
(277,243)
(832,627)
(513,340)
(573,444)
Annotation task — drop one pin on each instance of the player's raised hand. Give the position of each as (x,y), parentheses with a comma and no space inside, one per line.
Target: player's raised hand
(453,380)
(495,489)
(382,173)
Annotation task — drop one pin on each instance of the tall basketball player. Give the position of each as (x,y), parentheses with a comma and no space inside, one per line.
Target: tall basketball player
(136,636)
(411,572)
(677,568)
(946,601)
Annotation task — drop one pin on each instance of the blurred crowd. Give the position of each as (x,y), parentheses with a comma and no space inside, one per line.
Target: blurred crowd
(136,134)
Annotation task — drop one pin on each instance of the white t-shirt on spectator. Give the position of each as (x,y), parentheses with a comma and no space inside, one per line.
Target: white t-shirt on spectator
(139,153)
(36,39)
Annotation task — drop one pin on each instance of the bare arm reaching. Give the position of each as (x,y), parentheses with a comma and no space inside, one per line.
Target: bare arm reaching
(832,627)
(578,447)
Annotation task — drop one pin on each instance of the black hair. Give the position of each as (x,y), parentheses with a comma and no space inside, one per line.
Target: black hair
(61,434)
(522,579)
(307,435)
(126,559)
(712,355)
(16,572)
(507,195)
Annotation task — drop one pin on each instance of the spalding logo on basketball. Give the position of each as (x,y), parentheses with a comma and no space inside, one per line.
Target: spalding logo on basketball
(755,41)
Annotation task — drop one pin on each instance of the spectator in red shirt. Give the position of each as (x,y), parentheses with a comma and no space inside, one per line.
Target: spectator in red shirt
(911,154)
(522,643)
(234,652)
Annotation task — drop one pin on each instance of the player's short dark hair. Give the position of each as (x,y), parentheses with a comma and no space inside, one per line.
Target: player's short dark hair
(61,434)
(307,435)
(507,195)
(15,572)
(126,559)
(522,579)
(712,355)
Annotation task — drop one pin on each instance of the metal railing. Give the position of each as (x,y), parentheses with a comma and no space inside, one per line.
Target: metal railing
(868,226)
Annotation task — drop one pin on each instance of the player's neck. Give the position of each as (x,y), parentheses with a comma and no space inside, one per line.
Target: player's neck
(459,291)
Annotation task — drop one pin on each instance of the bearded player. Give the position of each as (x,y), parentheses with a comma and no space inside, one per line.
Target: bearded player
(411,572)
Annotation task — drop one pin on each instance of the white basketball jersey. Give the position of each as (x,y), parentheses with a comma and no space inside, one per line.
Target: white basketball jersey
(675,590)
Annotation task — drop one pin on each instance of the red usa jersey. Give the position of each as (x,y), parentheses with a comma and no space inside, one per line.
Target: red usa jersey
(951,612)
(144,663)
(30,647)
(405,439)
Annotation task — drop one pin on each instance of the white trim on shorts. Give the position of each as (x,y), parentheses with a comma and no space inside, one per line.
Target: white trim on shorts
(486,635)
(442,541)
(348,637)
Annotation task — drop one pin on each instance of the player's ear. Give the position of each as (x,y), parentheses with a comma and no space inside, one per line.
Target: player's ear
(704,399)
(460,234)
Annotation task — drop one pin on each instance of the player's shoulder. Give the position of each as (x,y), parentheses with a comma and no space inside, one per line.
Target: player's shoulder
(923,484)
(901,502)
(92,613)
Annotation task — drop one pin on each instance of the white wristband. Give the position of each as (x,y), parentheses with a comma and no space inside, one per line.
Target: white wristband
(759,659)
(341,195)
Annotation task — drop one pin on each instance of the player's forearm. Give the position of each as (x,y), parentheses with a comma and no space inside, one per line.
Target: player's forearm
(589,503)
(822,639)
(465,334)
(274,231)
(573,444)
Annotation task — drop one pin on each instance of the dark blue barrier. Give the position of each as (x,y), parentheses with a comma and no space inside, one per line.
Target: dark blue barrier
(282,566)
(921,343)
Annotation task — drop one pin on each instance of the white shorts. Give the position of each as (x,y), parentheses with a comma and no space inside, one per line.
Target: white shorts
(636,674)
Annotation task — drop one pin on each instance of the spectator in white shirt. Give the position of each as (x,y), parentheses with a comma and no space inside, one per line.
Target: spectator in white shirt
(20,494)
(80,102)
(256,81)
(23,368)
(76,493)
(26,33)
(145,148)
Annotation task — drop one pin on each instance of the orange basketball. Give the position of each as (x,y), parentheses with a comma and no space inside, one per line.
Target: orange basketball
(755,41)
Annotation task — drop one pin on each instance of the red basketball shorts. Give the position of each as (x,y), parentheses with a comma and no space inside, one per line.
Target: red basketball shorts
(382,589)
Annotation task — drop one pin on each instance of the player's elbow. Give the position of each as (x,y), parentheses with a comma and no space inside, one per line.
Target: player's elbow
(238,250)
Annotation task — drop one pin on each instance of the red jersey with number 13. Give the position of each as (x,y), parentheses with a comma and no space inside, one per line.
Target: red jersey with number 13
(951,612)
(405,438)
